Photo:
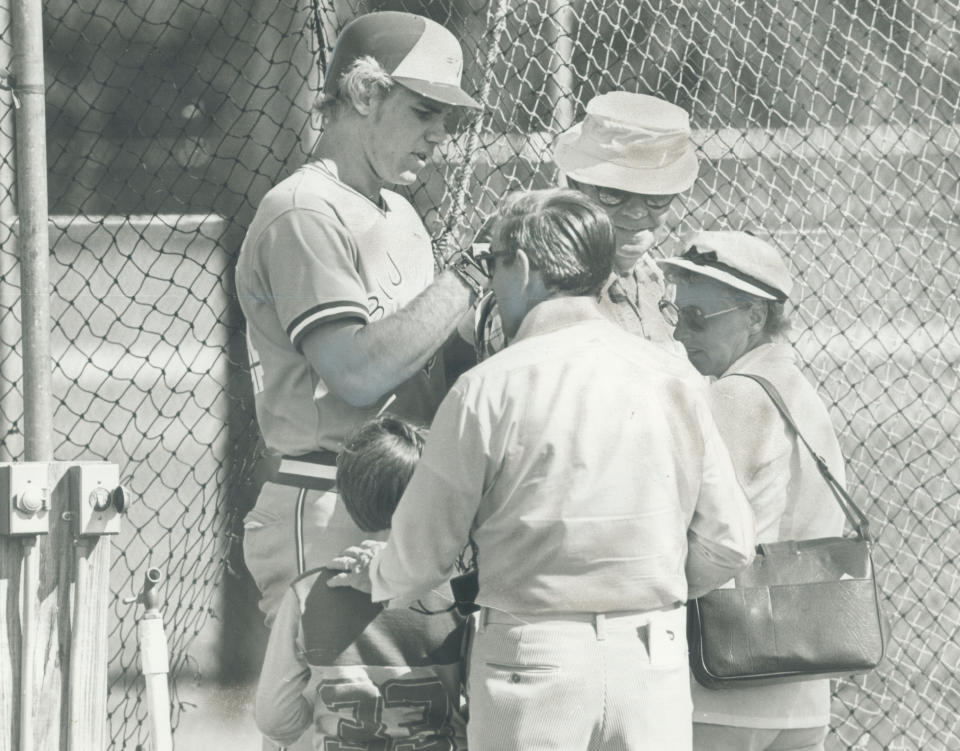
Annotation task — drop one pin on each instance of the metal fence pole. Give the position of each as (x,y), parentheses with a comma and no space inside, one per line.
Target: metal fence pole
(34,242)
(10,403)
(33,245)
(8,208)
(10,551)
(563,17)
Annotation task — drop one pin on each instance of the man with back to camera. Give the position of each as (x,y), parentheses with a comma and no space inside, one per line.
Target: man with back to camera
(336,281)
(583,463)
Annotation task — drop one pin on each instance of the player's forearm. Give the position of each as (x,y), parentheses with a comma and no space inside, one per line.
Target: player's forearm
(372,360)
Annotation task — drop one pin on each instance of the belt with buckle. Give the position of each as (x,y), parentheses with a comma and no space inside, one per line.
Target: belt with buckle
(314,471)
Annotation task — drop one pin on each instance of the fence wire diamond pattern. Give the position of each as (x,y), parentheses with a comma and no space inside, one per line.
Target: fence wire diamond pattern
(831,128)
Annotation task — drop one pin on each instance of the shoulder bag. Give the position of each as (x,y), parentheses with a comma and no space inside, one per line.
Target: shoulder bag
(804,609)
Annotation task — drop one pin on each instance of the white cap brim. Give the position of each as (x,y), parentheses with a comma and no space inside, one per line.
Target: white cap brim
(439,92)
(721,276)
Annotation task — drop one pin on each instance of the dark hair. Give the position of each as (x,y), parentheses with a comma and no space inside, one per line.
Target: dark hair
(374,467)
(566,236)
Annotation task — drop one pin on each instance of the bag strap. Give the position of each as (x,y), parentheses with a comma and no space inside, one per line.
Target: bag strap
(855,516)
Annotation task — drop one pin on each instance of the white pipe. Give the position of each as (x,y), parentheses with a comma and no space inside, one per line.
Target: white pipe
(154,663)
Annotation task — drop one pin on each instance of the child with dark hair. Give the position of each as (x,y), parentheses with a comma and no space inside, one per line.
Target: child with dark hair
(373,468)
(360,673)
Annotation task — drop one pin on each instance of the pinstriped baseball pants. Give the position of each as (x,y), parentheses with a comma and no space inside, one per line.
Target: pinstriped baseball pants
(292,530)
(614,683)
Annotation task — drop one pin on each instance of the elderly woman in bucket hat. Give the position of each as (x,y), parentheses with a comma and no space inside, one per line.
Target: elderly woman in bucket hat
(731,290)
(632,155)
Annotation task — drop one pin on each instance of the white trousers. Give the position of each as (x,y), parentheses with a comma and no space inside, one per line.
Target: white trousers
(617,682)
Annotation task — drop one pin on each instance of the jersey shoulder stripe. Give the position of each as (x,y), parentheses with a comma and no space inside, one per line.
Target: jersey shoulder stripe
(323,313)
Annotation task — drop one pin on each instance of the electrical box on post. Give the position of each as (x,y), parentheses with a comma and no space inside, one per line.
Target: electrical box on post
(97,500)
(25,498)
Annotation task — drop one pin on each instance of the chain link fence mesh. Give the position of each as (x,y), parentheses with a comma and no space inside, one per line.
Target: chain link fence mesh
(831,128)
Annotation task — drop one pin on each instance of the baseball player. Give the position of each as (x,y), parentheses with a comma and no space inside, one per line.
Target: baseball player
(335,278)
(584,464)
(336,281)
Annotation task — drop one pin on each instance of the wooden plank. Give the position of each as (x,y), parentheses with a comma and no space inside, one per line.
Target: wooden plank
(67,648)
(52,616)
(10,558)
(87,673)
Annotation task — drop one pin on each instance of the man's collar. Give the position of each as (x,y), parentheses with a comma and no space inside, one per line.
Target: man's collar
(557,313)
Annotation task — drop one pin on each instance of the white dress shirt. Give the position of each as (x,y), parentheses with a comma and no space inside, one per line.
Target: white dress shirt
(585,464)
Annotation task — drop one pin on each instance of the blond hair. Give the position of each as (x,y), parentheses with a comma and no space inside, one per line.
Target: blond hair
(361,80)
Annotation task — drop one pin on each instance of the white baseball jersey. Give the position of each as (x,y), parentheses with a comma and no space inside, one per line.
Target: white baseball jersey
(363,676)
(318,251)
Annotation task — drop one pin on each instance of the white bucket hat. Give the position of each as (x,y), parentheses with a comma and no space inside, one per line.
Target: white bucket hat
(738,260)
(631,142)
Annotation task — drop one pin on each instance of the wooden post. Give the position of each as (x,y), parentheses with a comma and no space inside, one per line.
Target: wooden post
(44,615)
(87,673)
(9,644)
(49,649)
(53,682)
(67,605)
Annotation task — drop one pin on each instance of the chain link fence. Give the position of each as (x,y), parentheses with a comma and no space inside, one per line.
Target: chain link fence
(831,128)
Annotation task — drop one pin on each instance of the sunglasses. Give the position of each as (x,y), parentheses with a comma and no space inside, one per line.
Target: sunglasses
(612,197)
(691,315)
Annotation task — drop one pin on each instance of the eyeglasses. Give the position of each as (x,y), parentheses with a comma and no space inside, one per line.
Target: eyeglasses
(614,197)
(691,315)
(486,258)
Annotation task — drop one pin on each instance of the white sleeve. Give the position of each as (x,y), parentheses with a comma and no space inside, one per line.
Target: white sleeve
(722,534)
(282,711)
(431,524)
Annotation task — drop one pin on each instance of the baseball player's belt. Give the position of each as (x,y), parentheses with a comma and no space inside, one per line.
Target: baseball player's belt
(314,471)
